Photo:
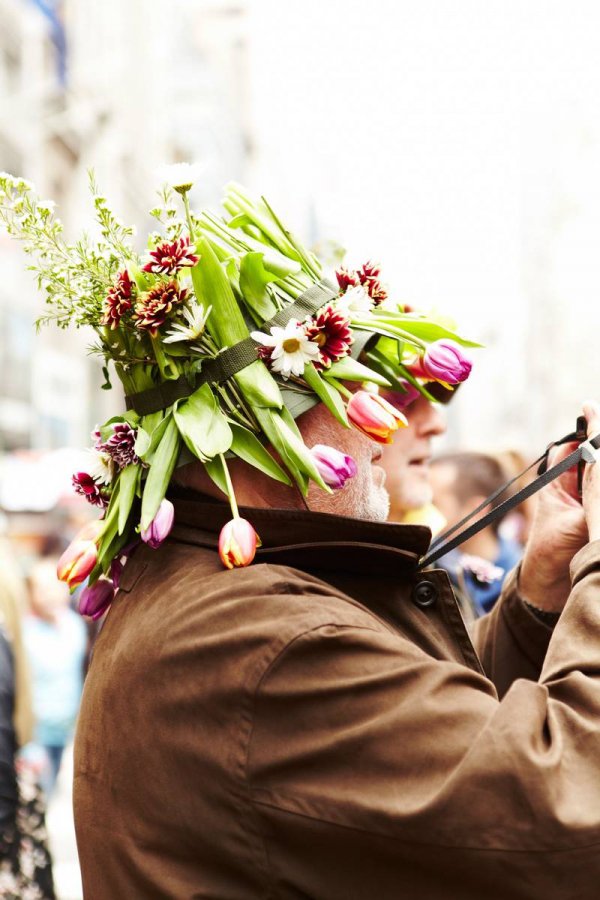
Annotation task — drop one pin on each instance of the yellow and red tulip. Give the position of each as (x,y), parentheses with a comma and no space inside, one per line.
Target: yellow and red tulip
(237,543)
(374,416)
(81,555)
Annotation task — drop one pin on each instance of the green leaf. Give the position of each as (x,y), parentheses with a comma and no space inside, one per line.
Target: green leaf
(423,329)
(247,446)
(107,386)
(297,451)
(142,442)
(160,471)
(254,279)
(326,393)
(348,369)
(214,469)
(202,425)
(128,482)
(156,437)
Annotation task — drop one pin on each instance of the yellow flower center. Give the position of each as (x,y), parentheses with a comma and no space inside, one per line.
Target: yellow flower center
(320,339)
(291,345)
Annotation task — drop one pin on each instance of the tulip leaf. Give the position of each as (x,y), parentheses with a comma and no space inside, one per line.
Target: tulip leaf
(247,446)
(214,469)
(348,369)
(202,425)
(254,279)
(423,330)
(128,482)
(156,437)
(266,421)
(297,451)
(161,469)
(326,393)
(142,442)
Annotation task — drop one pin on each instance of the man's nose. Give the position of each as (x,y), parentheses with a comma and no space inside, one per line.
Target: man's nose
(433,422)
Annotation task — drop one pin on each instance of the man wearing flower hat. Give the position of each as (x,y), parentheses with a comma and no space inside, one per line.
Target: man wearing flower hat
(318,723)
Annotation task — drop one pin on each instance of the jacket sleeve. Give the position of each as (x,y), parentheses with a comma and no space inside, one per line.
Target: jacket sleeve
(510,640)
(8,781)
(362,740)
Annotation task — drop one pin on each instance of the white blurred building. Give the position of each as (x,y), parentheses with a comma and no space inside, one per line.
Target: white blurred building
(132,89)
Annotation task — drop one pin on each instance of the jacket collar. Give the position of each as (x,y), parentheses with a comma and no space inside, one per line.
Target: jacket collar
(306,539)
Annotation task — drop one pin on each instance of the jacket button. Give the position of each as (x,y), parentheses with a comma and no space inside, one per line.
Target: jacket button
(425,593)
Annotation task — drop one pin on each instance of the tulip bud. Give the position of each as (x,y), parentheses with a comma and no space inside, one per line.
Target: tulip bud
(237,543)
(77,561)
(445,361)
(334,467)
(374,416)
(96,598)
(160,526)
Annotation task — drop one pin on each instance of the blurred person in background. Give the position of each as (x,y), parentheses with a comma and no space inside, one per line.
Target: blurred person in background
(516,524)
(56,643)
(25,863)
(460,483)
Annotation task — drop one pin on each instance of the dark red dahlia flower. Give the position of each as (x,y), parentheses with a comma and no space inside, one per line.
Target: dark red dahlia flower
(330,330)
(119,300)
(154,308)
(170,256)
(120,446)
(85,485)
(346,278)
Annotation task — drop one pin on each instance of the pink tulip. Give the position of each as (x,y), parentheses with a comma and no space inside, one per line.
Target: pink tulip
(444,361)
(237,543)
(160,526)
(77,562)
(374,416)
(96,598)
(335,468)
(401,399)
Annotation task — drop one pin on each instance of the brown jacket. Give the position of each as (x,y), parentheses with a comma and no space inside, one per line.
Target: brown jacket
(319,725)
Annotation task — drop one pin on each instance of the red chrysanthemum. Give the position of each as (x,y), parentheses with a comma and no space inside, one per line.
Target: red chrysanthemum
(85,485)
(330,330)
(170,256)
(369,270)
(370,275)
(154,308)
(120,445)
(346,278)
(376,291)
(119,300)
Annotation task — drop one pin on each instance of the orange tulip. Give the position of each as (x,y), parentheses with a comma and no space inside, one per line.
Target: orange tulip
(374,416)
(237,543)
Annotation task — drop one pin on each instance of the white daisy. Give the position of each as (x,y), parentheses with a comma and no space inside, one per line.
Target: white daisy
(180,176)
(291,348)
(101,467)
(355,300)
(196,323)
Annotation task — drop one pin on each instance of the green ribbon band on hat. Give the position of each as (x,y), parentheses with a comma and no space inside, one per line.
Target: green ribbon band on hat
(232,359)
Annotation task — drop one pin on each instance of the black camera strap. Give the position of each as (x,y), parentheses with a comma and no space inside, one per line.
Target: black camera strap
(584,453)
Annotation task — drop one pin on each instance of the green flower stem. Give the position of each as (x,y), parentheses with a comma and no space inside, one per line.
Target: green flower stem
(230,493)
(340,387)
(188,213)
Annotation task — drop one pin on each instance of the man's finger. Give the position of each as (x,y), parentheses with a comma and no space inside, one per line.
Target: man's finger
(591,411)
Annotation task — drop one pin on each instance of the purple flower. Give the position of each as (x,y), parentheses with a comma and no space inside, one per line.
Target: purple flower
(84,484)
(160,526)
(96,598)
(445,361)
(335,468)
(120,445)
(402,400)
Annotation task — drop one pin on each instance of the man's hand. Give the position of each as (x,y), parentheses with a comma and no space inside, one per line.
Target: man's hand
(560,527)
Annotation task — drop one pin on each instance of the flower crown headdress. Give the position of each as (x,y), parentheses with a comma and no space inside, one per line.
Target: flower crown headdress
(222,334)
